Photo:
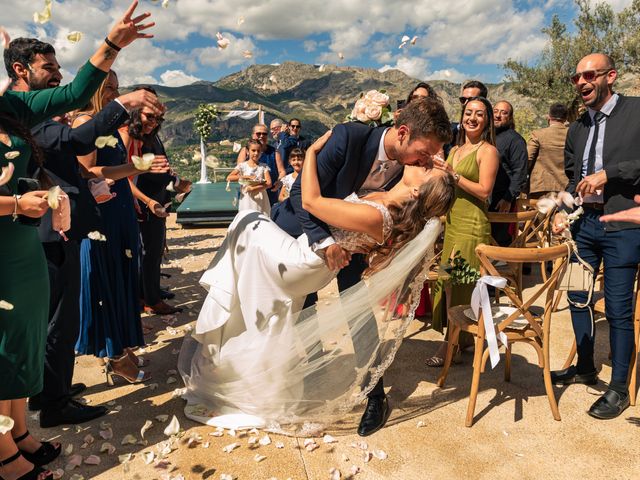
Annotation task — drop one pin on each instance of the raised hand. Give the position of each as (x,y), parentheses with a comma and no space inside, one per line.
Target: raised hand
(130,28)
(142,98)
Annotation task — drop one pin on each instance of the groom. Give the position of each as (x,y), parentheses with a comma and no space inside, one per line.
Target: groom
(361,157)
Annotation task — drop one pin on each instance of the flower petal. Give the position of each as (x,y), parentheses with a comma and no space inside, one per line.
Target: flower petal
(334,474)
(5,39)
(128,439)
(148,457)
(329,439)
(265,440)
(5,83)
(162,418)
(230,448)
(258,458)
(12,155)
(74,461)
(74,37)
(108,448)
(4,305)
(147,425)
(6,424)
(173,428)
(92,460)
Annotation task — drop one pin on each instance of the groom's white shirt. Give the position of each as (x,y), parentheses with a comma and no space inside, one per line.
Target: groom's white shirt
(381,159)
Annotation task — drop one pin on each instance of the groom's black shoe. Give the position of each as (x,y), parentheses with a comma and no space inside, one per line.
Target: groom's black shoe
(609,405)
(570,375)
(374,416)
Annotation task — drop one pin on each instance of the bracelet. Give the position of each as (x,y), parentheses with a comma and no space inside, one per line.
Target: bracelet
(456,178)
(14,215)
(111,44)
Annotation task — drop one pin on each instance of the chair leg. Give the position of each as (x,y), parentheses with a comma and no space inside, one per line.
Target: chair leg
(454,333)
(633,365)
(475,380)
(571,356)
(548,386)
(507,364)
(543,271)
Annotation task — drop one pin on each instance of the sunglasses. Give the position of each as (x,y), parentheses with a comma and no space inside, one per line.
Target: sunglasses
(261,134)
(464,100)
(295,126)
(154,118)
(588,75)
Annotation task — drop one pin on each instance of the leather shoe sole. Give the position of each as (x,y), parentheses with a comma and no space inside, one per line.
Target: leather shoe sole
(570,376)
(35,402)
(72,414)
(365,431)
(610,405)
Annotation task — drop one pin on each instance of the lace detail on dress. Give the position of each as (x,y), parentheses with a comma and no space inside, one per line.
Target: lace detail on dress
(356,241)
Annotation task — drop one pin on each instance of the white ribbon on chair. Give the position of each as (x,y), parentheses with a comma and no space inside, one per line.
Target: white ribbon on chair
(480,299)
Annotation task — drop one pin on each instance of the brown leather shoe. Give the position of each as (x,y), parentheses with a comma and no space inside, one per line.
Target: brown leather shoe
(161,308)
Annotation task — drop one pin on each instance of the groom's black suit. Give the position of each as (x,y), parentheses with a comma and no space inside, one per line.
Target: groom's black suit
(343,166)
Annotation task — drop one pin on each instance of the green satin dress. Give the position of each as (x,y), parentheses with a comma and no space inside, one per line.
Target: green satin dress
(467,226)
(24,281)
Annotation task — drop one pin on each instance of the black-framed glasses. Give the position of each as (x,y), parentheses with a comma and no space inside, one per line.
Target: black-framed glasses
(589,75)
(154,118)
(464,100)
(295,126)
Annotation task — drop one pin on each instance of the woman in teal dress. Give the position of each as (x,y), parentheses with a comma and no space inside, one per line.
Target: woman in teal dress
(474,163)
(24,282)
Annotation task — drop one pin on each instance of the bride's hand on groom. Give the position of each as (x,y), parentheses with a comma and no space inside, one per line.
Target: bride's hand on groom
(320,142)
(336,257)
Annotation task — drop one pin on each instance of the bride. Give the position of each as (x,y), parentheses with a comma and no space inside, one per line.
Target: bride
(255,359)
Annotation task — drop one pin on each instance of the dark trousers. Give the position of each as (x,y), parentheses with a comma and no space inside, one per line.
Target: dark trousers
(153,232)
(620,252)
(63,261)
(347,278)
(500,231)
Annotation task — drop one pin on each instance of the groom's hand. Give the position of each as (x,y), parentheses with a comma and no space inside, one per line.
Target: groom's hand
(336,257)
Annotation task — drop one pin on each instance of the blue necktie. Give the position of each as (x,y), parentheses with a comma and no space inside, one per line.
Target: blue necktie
(591,160)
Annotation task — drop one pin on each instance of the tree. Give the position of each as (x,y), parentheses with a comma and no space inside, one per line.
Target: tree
(597,29)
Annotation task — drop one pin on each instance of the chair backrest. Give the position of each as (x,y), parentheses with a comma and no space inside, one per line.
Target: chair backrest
(524,221)
(559,254)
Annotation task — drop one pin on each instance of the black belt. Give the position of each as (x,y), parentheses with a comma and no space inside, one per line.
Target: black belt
(594,206)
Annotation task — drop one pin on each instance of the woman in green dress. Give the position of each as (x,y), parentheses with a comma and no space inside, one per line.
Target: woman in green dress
(24,285)
(474,163)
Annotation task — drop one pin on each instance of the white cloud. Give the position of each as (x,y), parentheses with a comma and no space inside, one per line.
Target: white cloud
(177,78)
(310,45)
(415,67)
(450,74)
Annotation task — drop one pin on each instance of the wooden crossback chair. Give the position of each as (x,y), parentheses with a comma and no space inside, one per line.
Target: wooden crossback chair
(526,228)
(599,307)
(540,233)
(533,325)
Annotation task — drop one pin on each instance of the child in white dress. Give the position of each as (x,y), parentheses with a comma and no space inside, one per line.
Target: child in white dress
(254,180)
(296,159)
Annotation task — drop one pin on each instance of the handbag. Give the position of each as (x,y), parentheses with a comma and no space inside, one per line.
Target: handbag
(576,276)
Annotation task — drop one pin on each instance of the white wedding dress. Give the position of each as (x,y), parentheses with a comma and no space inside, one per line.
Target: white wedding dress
(255,360)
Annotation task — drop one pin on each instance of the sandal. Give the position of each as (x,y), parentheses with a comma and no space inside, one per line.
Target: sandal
(140,361)
(437,361)
(110,372)
(33,474)
(47,452)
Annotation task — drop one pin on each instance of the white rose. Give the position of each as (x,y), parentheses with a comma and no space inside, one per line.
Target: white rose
(362,117)
(373,112)
(379,98)
(370,94)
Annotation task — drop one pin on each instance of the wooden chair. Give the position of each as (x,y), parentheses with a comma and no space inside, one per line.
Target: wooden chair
(599,307)
(525,225)
(534,323)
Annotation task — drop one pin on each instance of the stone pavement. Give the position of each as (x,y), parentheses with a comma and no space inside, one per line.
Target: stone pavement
(514,435)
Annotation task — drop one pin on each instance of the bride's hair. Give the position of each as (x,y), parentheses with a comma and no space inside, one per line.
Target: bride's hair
(435,199)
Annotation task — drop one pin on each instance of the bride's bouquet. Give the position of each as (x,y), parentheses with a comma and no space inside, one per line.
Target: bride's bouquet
(372,108)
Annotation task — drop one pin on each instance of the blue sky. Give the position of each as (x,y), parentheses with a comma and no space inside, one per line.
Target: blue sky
(456,39)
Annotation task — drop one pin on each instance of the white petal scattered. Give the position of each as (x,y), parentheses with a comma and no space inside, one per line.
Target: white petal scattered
(545,205)
(366,456)
(354,470)
(5,83)
(6,424)
(127,253)
(173,428)
(88,439)
(310,444)
(74,37)
(380,454)
(44,16)
(334,474)
(148,457)
(247,54)
(171,380)
(58,474)
(147,425)
(74,461)
(108,448)
(231,432)
(341,55)
(322,68)
(106,141)
(165,3)
(345,458)
(421,424)
(4,305)
(236,147)
(259,458)
(230,448)
(68,450)
(222,42)
(144,162)
(106,434)
(405,38)
(76,476)
(252,440)
(414,40)
(96,236)
(226,476)
(92,460)
(279,445)
(265,440)
(162,418)
(12,155)
(125,458)
(362,445)
(172,372)
(128,439)
(240,20)
(519,454)
(153,386)
(329,439)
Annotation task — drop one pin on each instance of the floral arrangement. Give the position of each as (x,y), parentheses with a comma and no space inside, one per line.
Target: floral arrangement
(458,272)
(372,108)
(558,200)
(205,114)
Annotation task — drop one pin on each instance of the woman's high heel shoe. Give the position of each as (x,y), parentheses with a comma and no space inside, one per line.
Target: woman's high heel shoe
(47,453)
(110,371)
(32,474)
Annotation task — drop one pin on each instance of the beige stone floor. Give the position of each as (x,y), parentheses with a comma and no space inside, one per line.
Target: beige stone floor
(514,436)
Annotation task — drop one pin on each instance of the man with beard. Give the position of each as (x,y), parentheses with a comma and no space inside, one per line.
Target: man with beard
(603,167)
(32,65)
(512,172)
